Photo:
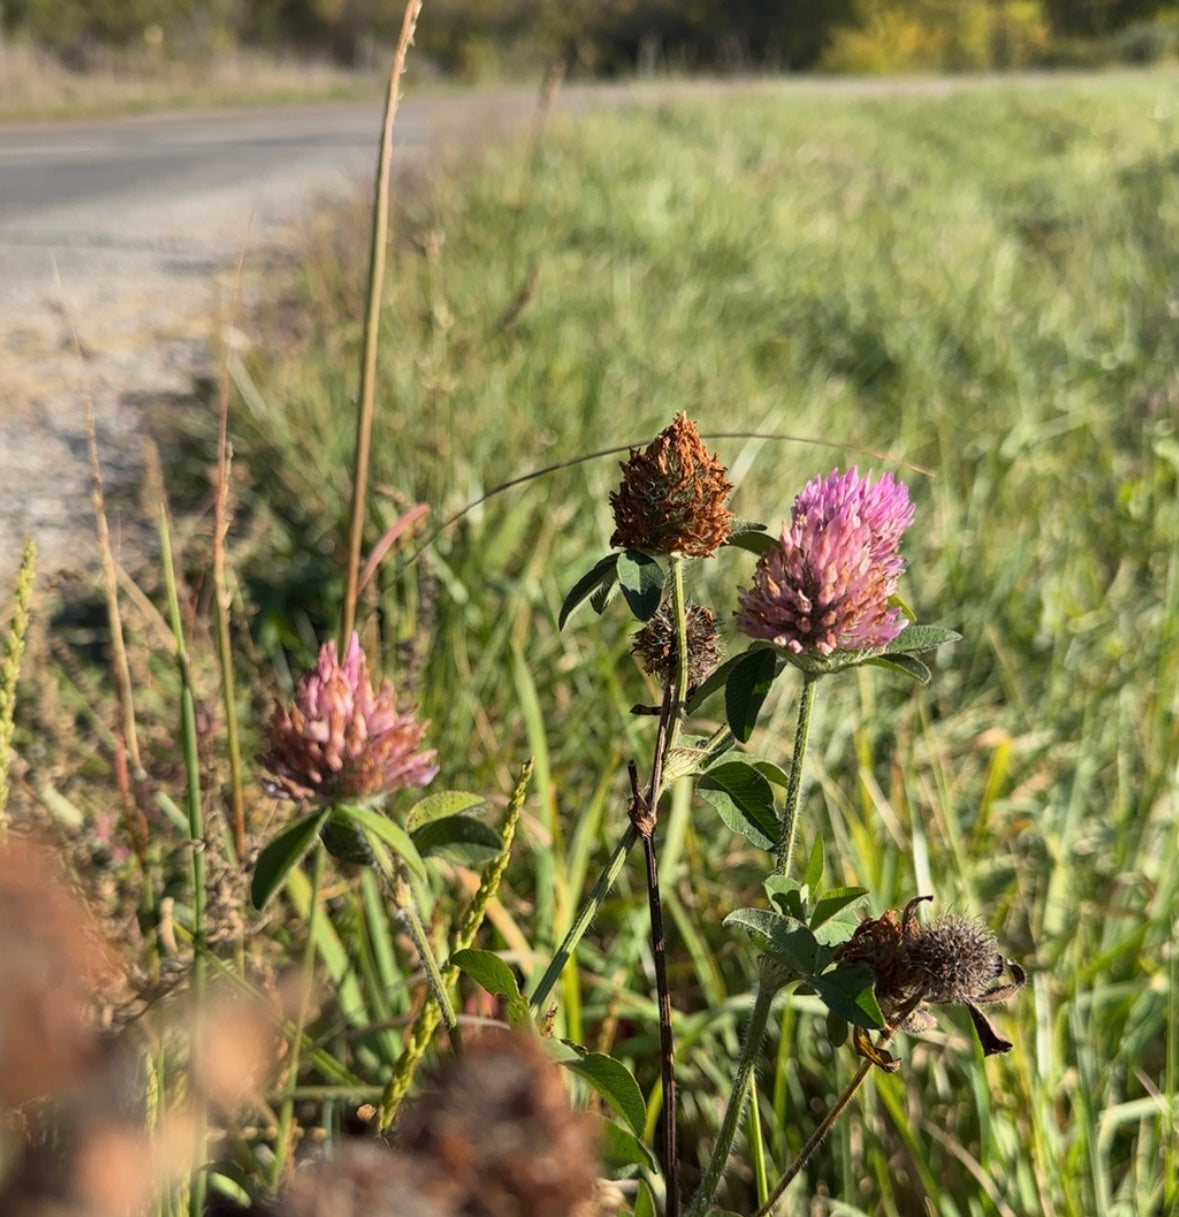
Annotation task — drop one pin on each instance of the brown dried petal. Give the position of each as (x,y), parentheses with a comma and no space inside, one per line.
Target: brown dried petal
(672,496)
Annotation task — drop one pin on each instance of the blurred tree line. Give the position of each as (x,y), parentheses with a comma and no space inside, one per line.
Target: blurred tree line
(603,37)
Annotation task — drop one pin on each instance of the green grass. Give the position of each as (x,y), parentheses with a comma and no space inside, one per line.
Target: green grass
(982,284)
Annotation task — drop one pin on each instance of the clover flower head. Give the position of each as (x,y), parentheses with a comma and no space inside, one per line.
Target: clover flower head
(342,740)
(672,496)
(655,644)
(826,586)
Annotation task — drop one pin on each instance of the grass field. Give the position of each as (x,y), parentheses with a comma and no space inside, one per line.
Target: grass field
(984,285)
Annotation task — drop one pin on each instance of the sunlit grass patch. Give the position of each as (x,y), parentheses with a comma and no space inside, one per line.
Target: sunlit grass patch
(980,284)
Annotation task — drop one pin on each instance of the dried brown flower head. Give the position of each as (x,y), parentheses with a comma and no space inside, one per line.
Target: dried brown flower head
(497,1138)
(672,496)
(341,739)
(952,961)
(655,644)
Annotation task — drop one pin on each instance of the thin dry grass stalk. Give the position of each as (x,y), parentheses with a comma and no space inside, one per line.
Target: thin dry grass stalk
(372,324)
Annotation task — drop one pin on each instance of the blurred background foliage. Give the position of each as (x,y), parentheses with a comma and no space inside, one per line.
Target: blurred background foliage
(480,39)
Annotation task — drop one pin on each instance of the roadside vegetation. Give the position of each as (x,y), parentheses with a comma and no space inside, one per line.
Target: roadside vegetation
(72,56)
(979,286)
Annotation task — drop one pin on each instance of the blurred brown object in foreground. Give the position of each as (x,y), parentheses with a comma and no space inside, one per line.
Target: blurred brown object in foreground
(52,961)
(496,1138)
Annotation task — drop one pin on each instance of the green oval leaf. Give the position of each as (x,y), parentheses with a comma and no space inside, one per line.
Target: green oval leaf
(461,838)
(746,689)
(783,937)
(847,991)
(642,580)
(442,803)
(621,1151)
(486,968)
(490,972)
(744,799)
(752,537)
(385,831)
(601,573)
(281,855)
(906,665)
(615,1083)
(832,902)
(916,638)
(713,683)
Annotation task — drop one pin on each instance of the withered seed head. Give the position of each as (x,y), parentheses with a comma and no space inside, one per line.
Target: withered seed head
(952,961)
(655,644)
(672,496)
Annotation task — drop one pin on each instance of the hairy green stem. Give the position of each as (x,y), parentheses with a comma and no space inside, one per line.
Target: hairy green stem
(282,1144)
(750,1047)
(802,733)
(679,608)
(767,986)
(407,913)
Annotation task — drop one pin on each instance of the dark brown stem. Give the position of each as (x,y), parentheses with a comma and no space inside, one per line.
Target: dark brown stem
(643,818)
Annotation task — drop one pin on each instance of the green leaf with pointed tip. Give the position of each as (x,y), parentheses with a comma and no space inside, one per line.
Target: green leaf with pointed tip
(440,804)
(621,1151)
(716,681)
(754,539)
(614,1082)
(644,1204)
(744,800)
(836,1029)
(490,972)
(462,839)
(847,991)
(788,896)
(641,579)
(768,769)
(386,832)
(601,573)
(281,855)
(783,937)
(813,875)
(832,902)
(604,593)
(915,638)
(746,689)
(906,665)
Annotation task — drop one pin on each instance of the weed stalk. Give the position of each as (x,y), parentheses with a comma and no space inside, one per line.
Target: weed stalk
(372,324)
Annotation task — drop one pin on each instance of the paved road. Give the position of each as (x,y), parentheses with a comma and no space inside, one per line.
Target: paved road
(145,218)
(142,221)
